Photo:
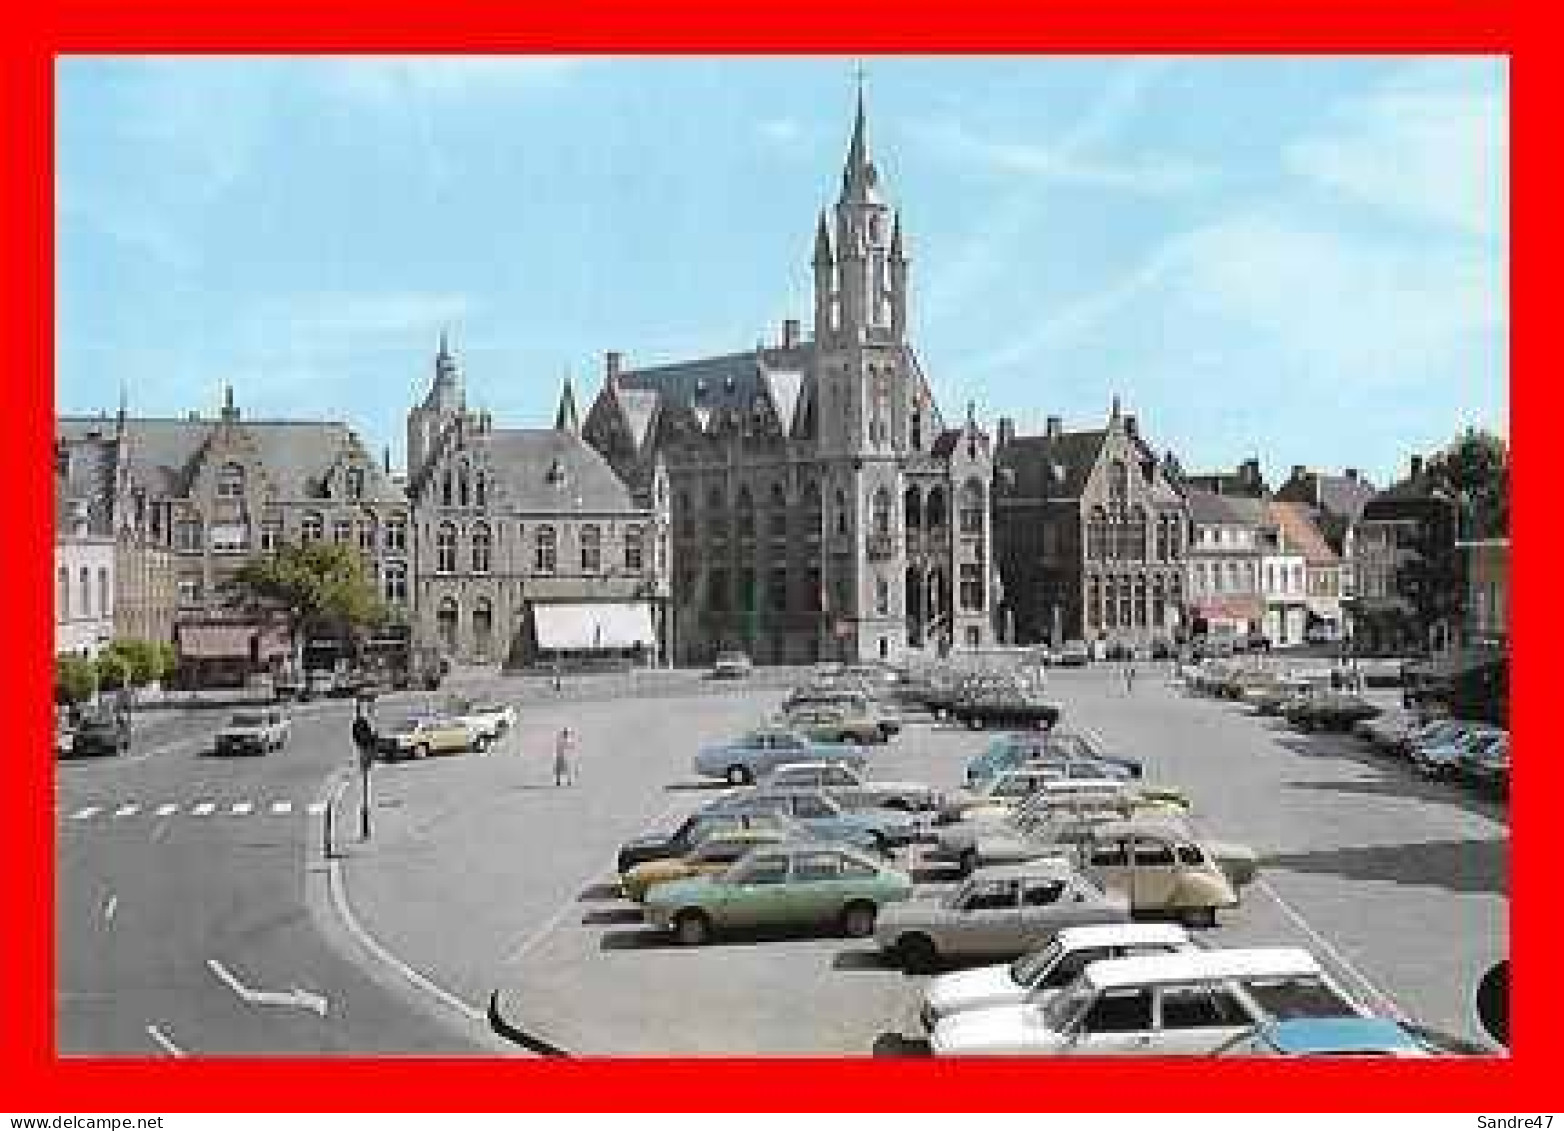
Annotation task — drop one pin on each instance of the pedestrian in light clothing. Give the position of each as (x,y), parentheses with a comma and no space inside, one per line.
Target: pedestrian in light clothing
(564,747)
(1129,678)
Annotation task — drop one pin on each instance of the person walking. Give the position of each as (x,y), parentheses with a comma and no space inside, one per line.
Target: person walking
(1129,677)
(564,747)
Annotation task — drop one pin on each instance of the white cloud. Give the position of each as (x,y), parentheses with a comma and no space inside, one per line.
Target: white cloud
(354,320)
(1061,164)
(1430,143)
(384,78)
(781,131)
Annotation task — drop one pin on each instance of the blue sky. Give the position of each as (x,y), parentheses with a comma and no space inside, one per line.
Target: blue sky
(1303,259)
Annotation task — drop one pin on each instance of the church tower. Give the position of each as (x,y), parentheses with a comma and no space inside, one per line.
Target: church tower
(442,405)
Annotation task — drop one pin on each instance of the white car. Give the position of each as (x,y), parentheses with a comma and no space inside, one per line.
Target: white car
(1176,1004)
(491,720)
(253,732)
(1034,978)
(852,788)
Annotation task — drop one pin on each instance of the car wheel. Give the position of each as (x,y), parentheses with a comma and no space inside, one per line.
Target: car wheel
(691,928)
(858,920)
(421,750)
(739,775)
(1198,916)
(917,953)
(968,861)
(899,805)
(481,743)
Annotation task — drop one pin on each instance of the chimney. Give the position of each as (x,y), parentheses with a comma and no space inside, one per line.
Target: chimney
(1131,425)
(789,333)
(1352,474)
(230,413)
(1054,428)
(1249,472)
(612,360)
(1007,431)
(62,459)
(195,415)
(1417,467)
(1299,471)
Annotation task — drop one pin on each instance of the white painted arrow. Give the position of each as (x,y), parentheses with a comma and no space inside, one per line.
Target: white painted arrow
(301,999)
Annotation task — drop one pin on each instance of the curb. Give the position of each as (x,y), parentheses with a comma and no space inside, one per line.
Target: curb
(521,1037)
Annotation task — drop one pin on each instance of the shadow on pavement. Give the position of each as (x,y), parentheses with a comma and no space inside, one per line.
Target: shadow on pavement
(695,786)
(895,1044)
(935,873)
(864,960)
(599,892)
(612,916)
(1456,865)
(651,939)
(1396,777)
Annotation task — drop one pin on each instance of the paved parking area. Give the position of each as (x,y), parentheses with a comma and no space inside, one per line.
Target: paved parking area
(483,876)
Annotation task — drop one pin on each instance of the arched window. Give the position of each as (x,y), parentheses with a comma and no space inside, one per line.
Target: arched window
(396,534)
(446,492)
(366,533)
(1232,577)
(882,596)
(1136,535)
(813,516)
(1118,480)
(396,583)
(312,528)
(86,592)
(481,489)
(972,496)
(103,592)
(1140,601)
(230,481)
(62,595)
(1200,577)
(445,625)
(1097,535)
(482,628)
(684,514)
(591,548)
(917,429)
(482,547)
(746,513)
(548,548)
(776,520)
(934,509)
(461,480)
(635,549)
(912,509)
(841,512)
(355,482)
(881,513)
(445,549)
(1094,603)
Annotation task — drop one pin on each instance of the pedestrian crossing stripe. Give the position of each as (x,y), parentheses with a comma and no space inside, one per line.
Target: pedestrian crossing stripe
(241,808)
(167,810)
(203,810)
(282,807)
(87,813)
(129,810)
(124,809)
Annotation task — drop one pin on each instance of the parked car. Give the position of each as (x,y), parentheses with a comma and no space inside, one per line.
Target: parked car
(1039,974)
(101,731)
(996,913)
(1326,1036)
(713,852)
(1003,792)
(64,740)
(253,732)
(878,829)
(1073,654)
(1490,766)
(422,736)
(1329,710)
(1045,824)
(1443,759)
(1189,1002)
(1387,732)
(852,788)
(318,683)
(731,665)
(830,722)
(1164,868)
(1433,733)
(491,720)
(1006,704)
(1013,750)
(849,695)
(687,835)
(797,885)
(756,753)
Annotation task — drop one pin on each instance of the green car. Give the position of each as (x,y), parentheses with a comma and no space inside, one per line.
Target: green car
(787,885)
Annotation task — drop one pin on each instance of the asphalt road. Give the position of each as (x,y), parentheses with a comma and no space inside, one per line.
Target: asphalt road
(182,918)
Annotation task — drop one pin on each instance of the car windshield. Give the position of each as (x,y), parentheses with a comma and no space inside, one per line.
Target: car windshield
(1287,998)
(407,726)
(1029,967)
(247,719)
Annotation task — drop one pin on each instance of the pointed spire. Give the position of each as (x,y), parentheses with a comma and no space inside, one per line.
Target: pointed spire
(566,419)
(121,416)
(860,181)
(897,254)
(822,243)
(445,345)
(1113,415)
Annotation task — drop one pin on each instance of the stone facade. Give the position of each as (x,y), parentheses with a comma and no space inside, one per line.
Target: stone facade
(83,579)
(1090,535)
(820,507)
(1225,597)
(508,519)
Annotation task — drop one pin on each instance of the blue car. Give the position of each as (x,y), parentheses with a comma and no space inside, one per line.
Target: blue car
(1444,759)
(1327,1036)
(879,829)
(756,753)
(1011,751)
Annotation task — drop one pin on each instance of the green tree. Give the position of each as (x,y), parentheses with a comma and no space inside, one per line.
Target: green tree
(142,658)
(1474,472)
(113,670)
(75,679)
(318,587)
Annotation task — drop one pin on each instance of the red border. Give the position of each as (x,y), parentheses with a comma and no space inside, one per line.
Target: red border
(42,1083)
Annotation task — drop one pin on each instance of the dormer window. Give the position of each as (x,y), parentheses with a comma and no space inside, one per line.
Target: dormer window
(230,481)
(355,482)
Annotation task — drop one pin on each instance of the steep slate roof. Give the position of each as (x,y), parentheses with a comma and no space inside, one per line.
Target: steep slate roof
(297,454)
(1339,495)
(637,407)
(1393,501)
(729,381)
(1210,508)
(1051,466)
(1300,533)
(548,469)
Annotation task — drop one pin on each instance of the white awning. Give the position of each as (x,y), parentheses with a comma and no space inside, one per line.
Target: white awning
(593,627)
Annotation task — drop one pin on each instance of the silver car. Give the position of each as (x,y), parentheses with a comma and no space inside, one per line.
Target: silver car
(997,913)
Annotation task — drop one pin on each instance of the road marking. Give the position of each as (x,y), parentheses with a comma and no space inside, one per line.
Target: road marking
(1340,959)
(281,807)
(110,907)
(130,809)
(300,999)
(573,903)
(316,808)
(167,810)
(204,809)
(87,814)
(167,747)
(241,808)
(162,1038)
